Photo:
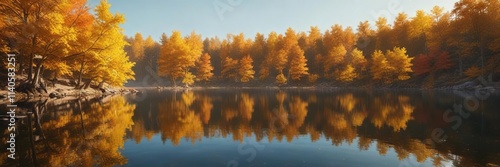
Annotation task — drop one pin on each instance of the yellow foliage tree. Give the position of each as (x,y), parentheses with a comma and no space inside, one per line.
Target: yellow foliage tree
(298,64)
(281,79)
(172,51)
(400,62)
(205,68)
(47,28)
(280,60)
(246,71)
(178,55)
(267,64)
(348,74)
(333,59)
(195,44)
(229,68)
(137,47)
(380,68)
(109,62)
(188,78)
(420,25)
(82,23)
(352,67)
(239,46)
(394,65)
(358,61)
(290,40)
(149,42)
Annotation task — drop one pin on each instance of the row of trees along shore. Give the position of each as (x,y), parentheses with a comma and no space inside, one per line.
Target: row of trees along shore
(74,43)
(64,38)
(464,42)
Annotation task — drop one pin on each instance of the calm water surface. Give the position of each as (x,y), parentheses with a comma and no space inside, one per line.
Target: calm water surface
(303,128)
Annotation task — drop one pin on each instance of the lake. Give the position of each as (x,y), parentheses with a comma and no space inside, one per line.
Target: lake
(261,127)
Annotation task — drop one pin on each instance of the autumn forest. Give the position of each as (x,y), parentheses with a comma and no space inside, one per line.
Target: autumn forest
(429,46)
(67,39)
(412,89)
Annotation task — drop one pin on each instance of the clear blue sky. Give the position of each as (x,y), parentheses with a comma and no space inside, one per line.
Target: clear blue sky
(153,17)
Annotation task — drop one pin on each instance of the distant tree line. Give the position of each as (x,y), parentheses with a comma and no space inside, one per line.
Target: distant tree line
(464,42)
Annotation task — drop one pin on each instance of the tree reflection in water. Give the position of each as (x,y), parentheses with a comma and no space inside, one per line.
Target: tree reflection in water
(381,120)
(84,132)
(91,132)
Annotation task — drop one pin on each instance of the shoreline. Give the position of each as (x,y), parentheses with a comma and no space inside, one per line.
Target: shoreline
(461,85)
(497,89)
(63,92)
(69,93)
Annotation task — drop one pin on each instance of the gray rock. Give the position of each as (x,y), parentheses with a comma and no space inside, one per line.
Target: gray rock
(470,85)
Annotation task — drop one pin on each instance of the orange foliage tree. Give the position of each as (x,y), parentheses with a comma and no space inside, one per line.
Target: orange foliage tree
(205,68)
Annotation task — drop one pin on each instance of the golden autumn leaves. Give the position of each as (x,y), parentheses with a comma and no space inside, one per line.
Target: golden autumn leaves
(205,68)
(236,59)
(71,39)
(178,55)
(246,69)
(282,57)
(394,65)
(76,42)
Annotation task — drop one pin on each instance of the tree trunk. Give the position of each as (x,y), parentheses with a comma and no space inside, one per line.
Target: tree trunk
(173,82)
(32,56)
(87,84)
(30,69)
(80,74)
(36,79)
(42,72)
